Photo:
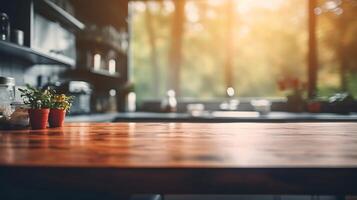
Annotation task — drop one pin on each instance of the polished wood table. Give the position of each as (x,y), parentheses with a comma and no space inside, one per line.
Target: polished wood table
(183,158)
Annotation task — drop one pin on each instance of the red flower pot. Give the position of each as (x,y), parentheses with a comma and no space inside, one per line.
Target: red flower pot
(56,118)
(38,118)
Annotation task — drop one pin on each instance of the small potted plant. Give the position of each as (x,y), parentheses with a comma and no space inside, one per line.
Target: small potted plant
(60,104)
(39,102)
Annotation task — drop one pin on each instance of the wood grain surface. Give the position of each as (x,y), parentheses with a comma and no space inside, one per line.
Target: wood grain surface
(289,158)
(183,145)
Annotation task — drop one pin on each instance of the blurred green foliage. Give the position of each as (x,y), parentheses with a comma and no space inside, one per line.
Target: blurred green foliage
(336,31)
(270,42)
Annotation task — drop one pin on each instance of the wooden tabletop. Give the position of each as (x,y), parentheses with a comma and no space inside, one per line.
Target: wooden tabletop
(186,157)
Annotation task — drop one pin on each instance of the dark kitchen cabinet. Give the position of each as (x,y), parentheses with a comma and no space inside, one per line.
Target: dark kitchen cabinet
(49,32)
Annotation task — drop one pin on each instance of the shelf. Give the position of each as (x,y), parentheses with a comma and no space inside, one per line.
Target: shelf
(33,56)
(50,9)
(92,42)
(104,73)
(93,74)
(100,81)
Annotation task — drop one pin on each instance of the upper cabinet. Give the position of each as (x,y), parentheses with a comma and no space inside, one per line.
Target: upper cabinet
(53,11)
(49,32)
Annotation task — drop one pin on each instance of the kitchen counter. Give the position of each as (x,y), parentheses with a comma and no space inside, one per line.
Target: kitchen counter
(235,116)
(183,158)
(216,116)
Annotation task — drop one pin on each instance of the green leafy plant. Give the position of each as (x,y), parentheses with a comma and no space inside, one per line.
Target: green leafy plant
(61,101)
(36,98)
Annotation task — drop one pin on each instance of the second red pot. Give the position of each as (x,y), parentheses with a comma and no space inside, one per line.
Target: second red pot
(56,117)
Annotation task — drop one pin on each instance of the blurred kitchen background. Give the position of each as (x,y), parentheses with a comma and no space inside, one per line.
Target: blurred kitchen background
(194,59)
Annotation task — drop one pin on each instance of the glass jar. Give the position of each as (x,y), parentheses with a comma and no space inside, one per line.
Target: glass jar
(4,27)
(7,95)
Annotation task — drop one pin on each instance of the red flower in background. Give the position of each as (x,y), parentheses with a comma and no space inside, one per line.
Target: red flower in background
(291,83)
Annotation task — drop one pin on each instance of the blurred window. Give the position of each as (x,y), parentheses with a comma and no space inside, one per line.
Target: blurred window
(202,47)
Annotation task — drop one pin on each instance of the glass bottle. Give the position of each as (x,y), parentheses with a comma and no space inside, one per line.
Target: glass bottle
(4,27)
(7,95)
